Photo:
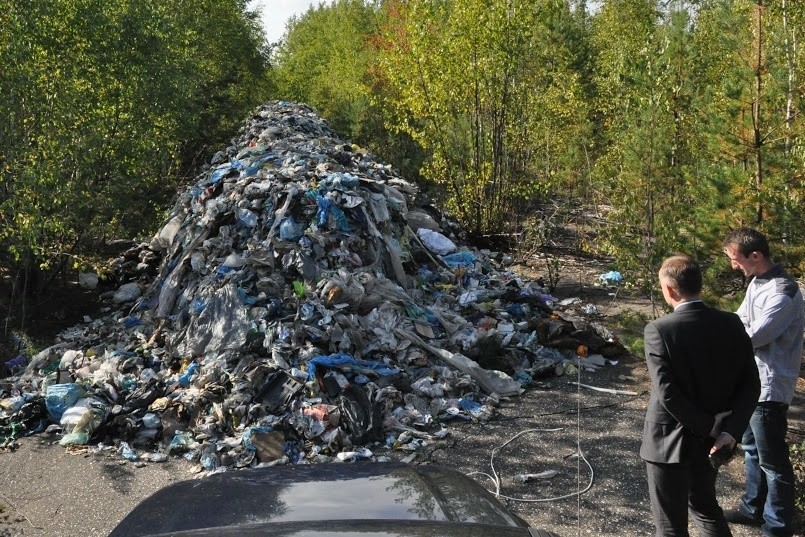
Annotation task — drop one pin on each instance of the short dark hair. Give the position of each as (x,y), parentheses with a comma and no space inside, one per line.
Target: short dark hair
(748,240)
(684,273)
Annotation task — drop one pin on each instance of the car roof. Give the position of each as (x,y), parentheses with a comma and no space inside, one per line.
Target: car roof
(336,497)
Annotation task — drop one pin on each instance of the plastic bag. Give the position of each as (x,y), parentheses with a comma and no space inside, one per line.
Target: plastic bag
(460,259)
(436,242)
(82,419)
(613,276)
(290,230)
(60,397)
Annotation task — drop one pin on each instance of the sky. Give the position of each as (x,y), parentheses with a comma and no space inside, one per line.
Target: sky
(277,12)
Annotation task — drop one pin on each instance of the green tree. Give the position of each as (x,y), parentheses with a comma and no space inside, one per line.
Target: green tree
(324,61)
(104,107)
(489,90)
(327,59)
(752,112)
(633,77)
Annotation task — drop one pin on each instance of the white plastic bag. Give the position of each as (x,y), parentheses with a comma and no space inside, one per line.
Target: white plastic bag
(435,241)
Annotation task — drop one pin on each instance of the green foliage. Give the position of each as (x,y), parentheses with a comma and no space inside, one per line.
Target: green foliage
(751,113)
(629,326)
(792,256)
(327,60)
(105,105)
(645,169)
(692,112)
(722,287)
(489,89)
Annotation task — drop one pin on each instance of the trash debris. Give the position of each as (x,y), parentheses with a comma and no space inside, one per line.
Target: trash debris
(436,242)
(613,277)
(547,474)
(300,304)
(590,309)
(88,280)
(607,390)
(60,397)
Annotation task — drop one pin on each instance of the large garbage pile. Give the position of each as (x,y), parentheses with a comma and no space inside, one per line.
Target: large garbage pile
(297,306)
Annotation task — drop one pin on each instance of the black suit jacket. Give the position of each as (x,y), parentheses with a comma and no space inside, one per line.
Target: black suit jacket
(701,362)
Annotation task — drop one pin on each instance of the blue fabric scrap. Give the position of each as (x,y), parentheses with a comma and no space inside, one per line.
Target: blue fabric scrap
(337,359)
(460,259)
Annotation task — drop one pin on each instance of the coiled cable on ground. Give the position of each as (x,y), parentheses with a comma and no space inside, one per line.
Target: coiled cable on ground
(495,478)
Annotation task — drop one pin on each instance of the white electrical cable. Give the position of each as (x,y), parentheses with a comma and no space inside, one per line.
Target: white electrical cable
(578,459)
(496,479)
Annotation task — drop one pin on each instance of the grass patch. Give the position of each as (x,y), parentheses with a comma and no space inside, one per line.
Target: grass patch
(629,325)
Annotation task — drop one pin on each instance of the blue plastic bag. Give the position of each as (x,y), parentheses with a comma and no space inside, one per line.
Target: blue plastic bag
(60,397)
(613,276)
(184,379)
(460,259)
(345,359)
(290,230)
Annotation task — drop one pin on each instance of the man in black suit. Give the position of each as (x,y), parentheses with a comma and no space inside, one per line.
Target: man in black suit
(704,387)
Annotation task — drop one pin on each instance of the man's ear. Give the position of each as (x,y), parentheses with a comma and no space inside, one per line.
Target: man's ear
(671,291)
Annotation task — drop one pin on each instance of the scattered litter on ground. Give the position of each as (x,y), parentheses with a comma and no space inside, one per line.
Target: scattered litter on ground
(300,304)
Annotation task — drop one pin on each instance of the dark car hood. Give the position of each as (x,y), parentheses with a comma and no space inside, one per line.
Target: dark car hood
(343,495)
(356,528)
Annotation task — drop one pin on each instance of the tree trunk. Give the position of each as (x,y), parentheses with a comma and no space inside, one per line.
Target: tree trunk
(757,138)
(790,54)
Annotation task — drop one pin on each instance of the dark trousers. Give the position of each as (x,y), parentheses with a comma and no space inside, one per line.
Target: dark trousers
(675,488)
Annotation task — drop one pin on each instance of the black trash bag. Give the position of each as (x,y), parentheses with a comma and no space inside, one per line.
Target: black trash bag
(278,391)
(143,396)
(119,427)
(31,418)
(362,419)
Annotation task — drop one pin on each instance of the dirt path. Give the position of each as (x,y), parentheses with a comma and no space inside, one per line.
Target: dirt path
(607,426)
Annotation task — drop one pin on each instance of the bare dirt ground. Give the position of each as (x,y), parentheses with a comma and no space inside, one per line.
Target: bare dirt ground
(47,491)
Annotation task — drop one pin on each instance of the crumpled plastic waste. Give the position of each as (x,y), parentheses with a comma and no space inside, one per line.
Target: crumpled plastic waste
(16,362)
(298,305)
(60,397)
(88,280)
(590,309)
(343,359)
(460,259)
(610,278)
(436,242)
(127,452)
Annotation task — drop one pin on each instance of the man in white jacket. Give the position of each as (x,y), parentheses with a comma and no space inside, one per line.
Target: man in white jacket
(772,313)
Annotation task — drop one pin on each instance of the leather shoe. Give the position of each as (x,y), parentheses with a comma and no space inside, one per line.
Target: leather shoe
(735,516)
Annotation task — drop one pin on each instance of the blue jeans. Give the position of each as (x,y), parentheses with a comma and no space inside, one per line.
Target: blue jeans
(769,476)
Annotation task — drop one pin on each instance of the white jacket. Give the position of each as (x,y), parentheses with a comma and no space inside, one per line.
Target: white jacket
(772,312)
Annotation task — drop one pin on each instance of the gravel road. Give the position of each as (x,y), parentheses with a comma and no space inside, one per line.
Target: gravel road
(608,428)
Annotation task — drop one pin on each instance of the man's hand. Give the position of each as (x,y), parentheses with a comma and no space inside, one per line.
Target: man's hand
(723,439)
(720,417)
